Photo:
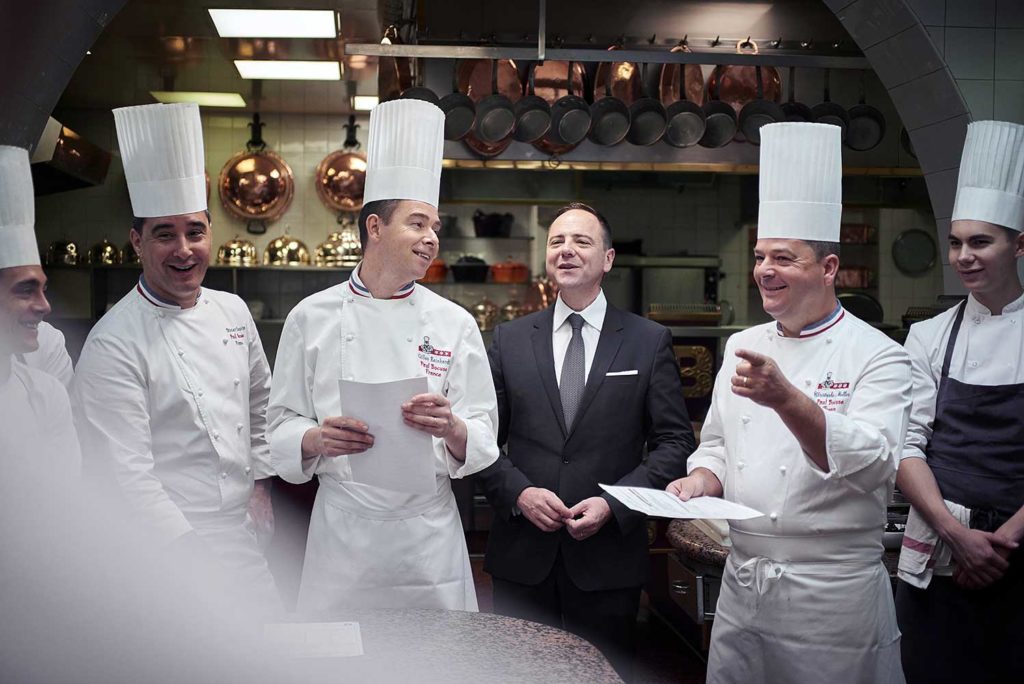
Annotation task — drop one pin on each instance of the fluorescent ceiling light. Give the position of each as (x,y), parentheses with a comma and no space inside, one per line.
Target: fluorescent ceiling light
(288,69)
(200,98)
(364,103)
(236,23)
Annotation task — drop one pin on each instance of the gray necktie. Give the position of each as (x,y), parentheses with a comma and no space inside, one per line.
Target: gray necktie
(573,377)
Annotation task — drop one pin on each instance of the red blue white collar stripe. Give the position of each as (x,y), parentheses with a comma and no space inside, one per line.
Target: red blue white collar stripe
(822,325)
(151,297)
(357,287)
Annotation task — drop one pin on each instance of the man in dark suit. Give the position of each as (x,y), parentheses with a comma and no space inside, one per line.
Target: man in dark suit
(582,388)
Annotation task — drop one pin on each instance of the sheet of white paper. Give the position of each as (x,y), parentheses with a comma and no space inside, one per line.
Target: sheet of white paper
(314,639)
(401,458)
(659,503)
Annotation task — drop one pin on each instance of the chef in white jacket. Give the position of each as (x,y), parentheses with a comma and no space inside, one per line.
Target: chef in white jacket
(965,444)
(806,422)
(52,356)
(370,547)
(37,435)
(171,388)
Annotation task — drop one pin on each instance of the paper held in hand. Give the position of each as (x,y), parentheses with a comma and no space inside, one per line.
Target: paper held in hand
(401,458)
(661,504)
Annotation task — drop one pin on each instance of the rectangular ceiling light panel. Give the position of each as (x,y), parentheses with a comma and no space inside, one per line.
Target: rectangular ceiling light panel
(288,69)
(203,99)
(237,23)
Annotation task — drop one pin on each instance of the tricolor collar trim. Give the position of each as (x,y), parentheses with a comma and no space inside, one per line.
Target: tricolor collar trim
(151,297)
(357,287)
(820,326)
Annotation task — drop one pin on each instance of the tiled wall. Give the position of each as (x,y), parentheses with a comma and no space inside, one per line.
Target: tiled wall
(897,291)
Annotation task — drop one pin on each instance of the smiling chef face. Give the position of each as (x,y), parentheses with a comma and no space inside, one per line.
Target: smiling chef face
(175,253)
(22,306)
(408,241)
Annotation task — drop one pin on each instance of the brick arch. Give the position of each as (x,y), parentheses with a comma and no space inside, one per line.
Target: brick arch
(41,44)
(924,92)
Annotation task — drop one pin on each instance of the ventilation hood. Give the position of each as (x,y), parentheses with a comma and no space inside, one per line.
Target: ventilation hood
(64,160)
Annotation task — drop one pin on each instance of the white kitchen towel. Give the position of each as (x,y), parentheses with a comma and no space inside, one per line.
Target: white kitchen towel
(923,554)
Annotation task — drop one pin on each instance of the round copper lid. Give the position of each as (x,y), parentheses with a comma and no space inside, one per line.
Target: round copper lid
(256,186)
(340,178)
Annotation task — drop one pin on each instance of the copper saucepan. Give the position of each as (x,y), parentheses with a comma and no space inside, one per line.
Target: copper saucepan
(476,80)
(552,84)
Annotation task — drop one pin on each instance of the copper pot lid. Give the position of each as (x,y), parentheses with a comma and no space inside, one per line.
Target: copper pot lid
(550,83)
(286,251)
(104,253)
(256,185)
(62,252)
(238,252)
(340,179)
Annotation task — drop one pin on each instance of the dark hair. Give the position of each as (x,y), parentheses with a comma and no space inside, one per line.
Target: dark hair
(139,223)
(822,249)
(606,230)
(383,208)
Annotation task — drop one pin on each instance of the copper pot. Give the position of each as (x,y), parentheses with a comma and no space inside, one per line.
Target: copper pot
(510,272)
(104,253)
(238,252)
(286,251)
(551,83)
(340,179)
(340,249)
(475,79)
(256,186)
(737,85)
(62,252)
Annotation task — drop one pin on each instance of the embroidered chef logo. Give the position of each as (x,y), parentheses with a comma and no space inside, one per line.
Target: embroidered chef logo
(830,394)
(435,362)
(236,333)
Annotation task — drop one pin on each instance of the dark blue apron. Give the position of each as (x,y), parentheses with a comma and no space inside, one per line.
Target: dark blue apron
(977,455)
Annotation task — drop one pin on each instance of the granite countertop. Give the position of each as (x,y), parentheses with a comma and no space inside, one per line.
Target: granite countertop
(457,647)
(693,543)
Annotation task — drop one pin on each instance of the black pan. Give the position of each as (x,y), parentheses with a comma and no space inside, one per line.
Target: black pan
(421,93)
(533,115)
(495,114)
(828,112)
(648,118)
(570,117)
(686,120)
(867,125)
(796,111)
(609,117)
(459,111)
(759,112)
(721,121)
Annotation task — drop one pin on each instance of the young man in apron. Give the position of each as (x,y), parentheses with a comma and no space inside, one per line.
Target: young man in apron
(964,453)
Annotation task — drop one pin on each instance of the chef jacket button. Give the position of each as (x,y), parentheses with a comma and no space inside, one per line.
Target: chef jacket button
(239,426)
(225,340)
(408,339)
(237,382)
(745,419)
(741,465)
(807,382)
(181,352)
(199,392)
(828,340)
(160,314)
(973,364)
(350,337)
(248,470)
(782,469)
(223,476)
(348,300)
(977,319)
(216,435)
(773,516)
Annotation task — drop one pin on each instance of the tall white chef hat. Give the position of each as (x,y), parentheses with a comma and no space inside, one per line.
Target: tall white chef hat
(991,183)
(17,210)
(404,152)
(801,182)
(162,151)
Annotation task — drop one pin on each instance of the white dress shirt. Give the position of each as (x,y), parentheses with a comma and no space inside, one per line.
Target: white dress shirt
(561,332)
(989,351)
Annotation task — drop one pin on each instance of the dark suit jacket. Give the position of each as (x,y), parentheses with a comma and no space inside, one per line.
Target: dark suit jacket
(618,415)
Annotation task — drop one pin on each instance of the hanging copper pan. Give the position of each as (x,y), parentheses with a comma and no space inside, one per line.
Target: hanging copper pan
(475,79)
(670,81)
(256,185)
(737,85)
(394,74)
(341,176)
(551,83)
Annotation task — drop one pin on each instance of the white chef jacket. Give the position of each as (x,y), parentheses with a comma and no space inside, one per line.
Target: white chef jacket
(989,351)
(37,433)
(370,547)
(805,597)
(52,356)
(174,401)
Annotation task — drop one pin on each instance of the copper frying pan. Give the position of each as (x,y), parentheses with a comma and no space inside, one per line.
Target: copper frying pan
(474,79)
(550,83)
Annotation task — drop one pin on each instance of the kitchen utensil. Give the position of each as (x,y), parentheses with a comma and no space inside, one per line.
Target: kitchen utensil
(238,252)
(648,119)
(570,116)
(686,118)
(256,185)
(533,114)
(341,175)
(470,269)
(510,272)
(437,272)
(914,252)
(796,111)
(867,124)
(62,252)
(759,112)
(681,81)
(552,84)
(492,225)
(828,112)
(863,306)
(459,110)
(341,249)
(609,115)
(737,85)
(394,74)
(286,251)
(720,122)
(104,253)
(495,114)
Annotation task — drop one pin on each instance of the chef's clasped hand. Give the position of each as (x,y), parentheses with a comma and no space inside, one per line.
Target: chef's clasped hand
(431,413)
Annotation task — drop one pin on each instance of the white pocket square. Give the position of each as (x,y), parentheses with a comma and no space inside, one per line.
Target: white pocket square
(614,373)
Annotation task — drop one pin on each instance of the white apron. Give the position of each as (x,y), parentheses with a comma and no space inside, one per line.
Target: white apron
(805,597)
(370,547)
